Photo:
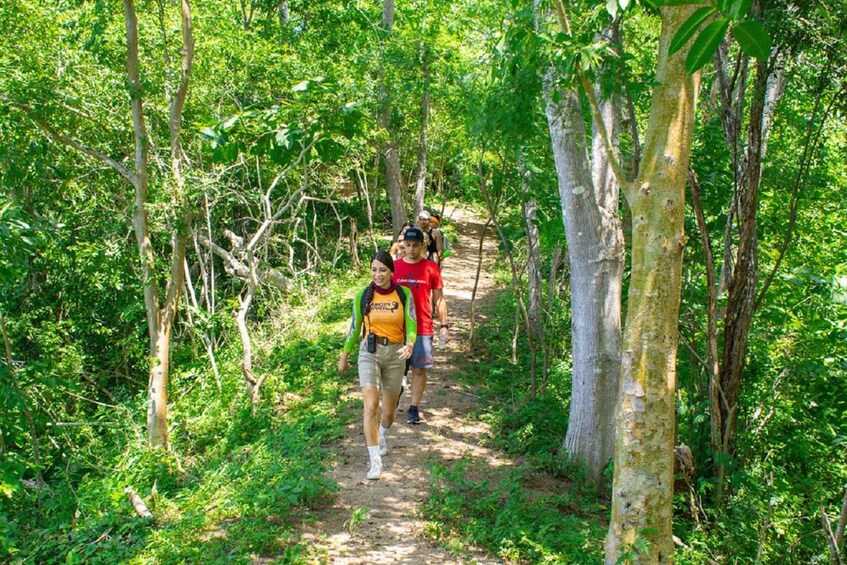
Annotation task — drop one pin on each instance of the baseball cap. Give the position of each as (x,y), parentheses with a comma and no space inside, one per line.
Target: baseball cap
(414,234)
(424,214)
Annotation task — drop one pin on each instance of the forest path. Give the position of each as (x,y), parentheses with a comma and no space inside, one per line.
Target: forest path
(390,529)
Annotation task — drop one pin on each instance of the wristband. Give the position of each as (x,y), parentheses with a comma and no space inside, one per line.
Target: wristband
(444,326)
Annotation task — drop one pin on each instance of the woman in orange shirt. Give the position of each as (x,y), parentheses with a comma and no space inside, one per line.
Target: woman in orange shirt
(384,314)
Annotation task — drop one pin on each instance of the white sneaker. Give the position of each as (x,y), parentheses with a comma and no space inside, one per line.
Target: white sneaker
(376,470)
(383,446)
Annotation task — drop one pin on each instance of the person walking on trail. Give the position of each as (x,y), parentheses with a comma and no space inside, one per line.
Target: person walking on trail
(384,313)
(397,250)
(423,277)
(438,235)
(434,244)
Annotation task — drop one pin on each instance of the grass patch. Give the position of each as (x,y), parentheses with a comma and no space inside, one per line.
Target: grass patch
(540,510)
(519,514)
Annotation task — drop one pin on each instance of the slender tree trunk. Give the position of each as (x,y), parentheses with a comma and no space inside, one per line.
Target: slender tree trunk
(245,300)
(204,335)
(390,153)
(160,319)
(644,456)
(534,278)
(282,11)
(521,309)
(476,281)
(420,181)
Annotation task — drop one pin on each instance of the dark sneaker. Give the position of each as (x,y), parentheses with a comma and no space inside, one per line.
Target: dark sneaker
(414,417)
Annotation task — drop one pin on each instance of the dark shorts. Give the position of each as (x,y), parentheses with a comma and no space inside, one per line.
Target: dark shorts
(422,352)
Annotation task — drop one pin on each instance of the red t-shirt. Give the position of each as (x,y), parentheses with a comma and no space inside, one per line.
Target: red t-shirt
(422,278)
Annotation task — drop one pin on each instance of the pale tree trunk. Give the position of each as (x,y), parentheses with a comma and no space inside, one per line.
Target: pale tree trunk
(420,181)
(253,384)
(390,153)
(596,257)
(535,301)
(644,456)
(159,317)
(193,304)
(282,11)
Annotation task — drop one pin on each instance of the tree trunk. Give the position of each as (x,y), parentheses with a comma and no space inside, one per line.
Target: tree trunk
(246,346)
(282,11)
(390,153)
(476,281)
(160,320)
(595,251)
(643,481)
(534,278)
(420,180)
(596,257)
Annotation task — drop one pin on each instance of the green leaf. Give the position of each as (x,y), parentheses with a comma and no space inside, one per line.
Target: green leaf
(612,8)
(723,6)
(658,3)
(706,44)
(230,122)
(739,8)
(687,30)
(753,39)
(300,86)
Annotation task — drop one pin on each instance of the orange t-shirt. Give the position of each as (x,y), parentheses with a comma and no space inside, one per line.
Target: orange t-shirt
(386,317)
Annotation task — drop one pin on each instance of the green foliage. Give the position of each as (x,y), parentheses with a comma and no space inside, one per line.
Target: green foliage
(235,486)
(750,34)
(516,513)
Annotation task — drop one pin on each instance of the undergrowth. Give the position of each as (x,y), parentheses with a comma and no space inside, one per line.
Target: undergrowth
(540,510)
(237,478)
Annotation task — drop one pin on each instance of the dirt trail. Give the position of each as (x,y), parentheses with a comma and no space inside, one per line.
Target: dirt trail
(390,528)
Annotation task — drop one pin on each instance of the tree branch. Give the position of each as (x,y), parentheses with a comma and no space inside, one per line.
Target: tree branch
(67,140)
(564,25)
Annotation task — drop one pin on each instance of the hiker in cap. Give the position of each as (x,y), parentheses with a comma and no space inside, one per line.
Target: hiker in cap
(423,278)
(434,244)
(383,329)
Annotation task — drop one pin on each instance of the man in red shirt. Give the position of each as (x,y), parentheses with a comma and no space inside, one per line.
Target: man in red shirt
(423,278)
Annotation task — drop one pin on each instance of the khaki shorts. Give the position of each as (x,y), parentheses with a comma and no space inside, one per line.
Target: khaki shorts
(383,369)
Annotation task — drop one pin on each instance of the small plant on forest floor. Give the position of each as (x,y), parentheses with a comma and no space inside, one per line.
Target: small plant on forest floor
(358,516)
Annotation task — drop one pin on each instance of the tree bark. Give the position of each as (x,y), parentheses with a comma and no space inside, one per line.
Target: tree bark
(160,318)
(643,480)
(535,300)
(476,280)
(741,300)
(420,180)
(596,257)
(390,152)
